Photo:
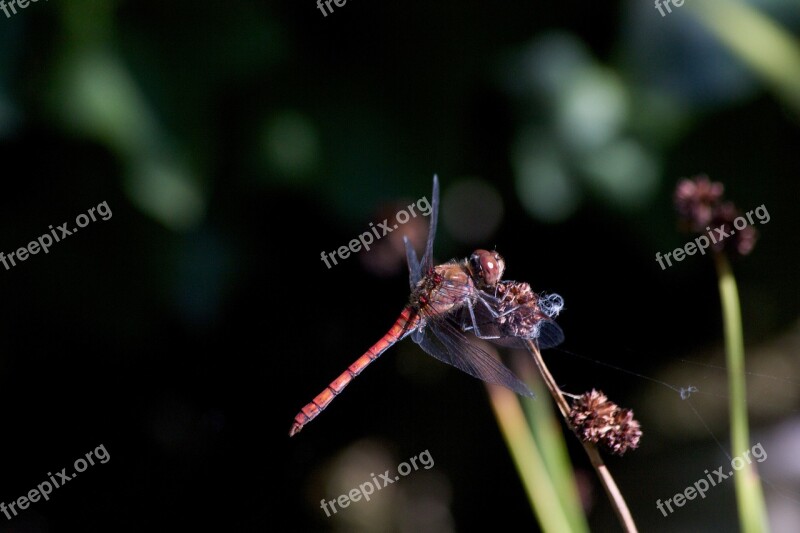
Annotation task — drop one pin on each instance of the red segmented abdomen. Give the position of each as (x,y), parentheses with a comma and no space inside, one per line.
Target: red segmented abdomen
(407,321)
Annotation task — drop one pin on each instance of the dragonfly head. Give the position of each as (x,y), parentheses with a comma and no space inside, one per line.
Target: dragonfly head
(486,268)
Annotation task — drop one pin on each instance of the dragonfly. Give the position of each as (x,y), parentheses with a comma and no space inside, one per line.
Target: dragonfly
(449,300)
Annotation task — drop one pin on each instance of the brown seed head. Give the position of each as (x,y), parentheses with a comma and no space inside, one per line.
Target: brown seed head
(596,419)
(701,210)
(695,200)
(524,319)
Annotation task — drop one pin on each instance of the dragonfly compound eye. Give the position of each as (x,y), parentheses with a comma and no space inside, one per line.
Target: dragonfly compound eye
(487,266)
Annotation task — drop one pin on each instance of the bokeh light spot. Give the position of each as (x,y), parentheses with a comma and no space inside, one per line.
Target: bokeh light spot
(472,210)
(291,145)
(544,186)
(623,172)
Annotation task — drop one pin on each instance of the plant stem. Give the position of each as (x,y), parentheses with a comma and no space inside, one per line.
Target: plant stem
(749,495)
(528,460)
(545,426)
(610,486)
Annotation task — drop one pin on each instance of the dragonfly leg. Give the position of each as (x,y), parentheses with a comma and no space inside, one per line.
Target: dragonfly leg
(474,326)
(494,313)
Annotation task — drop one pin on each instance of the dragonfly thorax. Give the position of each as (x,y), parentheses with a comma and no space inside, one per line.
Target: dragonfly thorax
(446,288)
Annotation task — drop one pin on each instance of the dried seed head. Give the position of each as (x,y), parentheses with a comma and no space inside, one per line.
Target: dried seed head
(695,200)
(625,434)
(525,309)
(596,419)
(701,210)
(740,241)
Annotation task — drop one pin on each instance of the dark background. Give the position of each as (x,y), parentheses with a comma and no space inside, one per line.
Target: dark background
(235,141)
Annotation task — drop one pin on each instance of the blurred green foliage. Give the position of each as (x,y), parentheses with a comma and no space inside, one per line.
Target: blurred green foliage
(236,141)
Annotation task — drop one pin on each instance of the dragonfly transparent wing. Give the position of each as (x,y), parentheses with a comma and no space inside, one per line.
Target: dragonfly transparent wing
(427,258)
(445,342)
(414,275)
(414,270)
(550,334)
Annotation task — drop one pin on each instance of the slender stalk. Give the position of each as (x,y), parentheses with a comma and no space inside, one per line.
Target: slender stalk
(749,495)
(528,460)
(759,41)
(545,426)
(610,486)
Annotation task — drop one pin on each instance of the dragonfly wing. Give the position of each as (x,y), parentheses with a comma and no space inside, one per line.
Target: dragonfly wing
(445,342)
(427,259)
(414,270)
(550,334)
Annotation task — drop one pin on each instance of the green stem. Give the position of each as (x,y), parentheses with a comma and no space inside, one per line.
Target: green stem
(749,495)
(612,491)
(530,465)
(547,433)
